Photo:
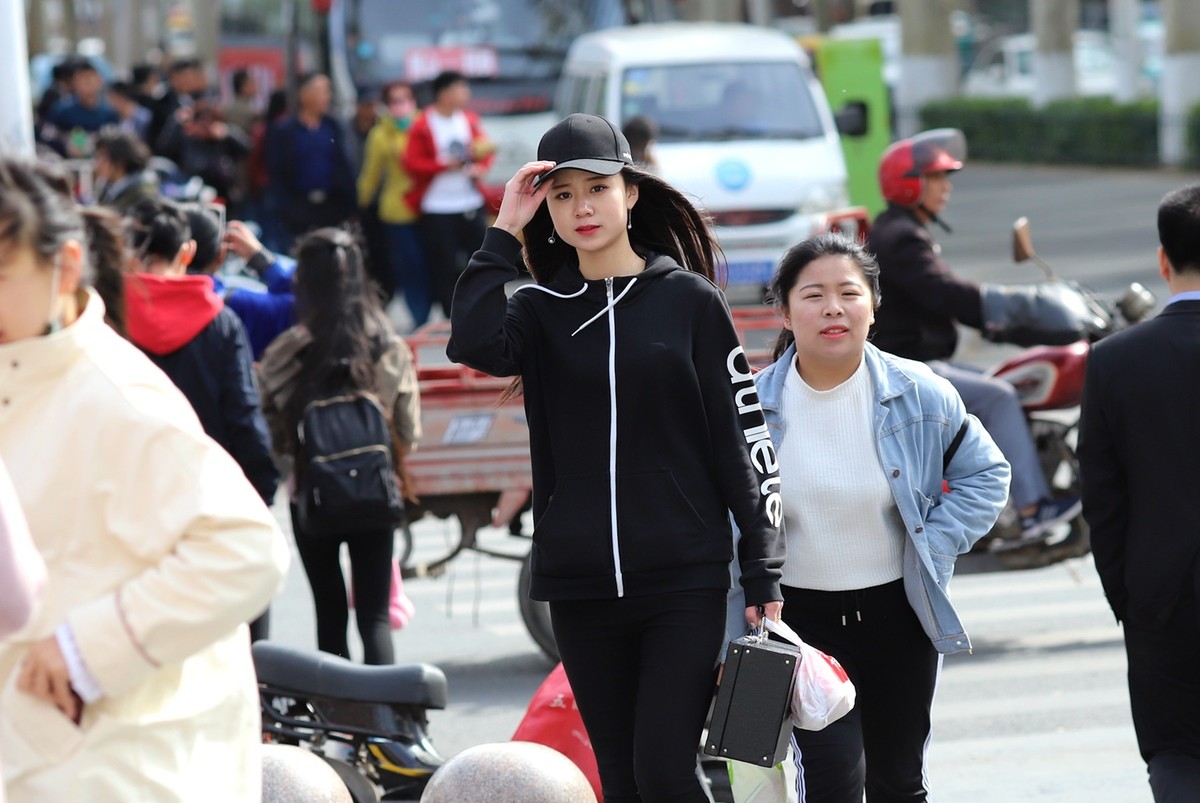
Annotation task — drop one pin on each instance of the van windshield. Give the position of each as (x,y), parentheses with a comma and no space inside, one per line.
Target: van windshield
(712,102)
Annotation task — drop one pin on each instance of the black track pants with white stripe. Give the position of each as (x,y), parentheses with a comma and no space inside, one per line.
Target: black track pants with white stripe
(880,747)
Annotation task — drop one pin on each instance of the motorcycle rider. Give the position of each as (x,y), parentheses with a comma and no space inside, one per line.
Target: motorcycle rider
(926,300)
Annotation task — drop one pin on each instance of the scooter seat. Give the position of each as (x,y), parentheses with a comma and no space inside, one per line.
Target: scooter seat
(325,675)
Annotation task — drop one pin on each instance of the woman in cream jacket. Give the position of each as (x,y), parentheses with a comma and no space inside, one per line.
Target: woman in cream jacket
(22,572)
(133,680)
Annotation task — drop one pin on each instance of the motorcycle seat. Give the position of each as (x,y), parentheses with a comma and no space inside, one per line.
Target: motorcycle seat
(324,675)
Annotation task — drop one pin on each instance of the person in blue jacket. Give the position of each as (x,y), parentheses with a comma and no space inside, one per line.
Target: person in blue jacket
(643,431)
(864,442)
(265,313)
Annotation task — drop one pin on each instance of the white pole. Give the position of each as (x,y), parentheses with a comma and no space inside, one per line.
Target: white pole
(16,107)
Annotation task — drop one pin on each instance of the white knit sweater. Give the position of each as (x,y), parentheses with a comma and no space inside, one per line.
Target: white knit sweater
(843,529)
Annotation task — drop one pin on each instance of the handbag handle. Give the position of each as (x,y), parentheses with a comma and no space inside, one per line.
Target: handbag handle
(783,630)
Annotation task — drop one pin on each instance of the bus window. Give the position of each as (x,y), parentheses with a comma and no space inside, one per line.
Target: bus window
(512,50)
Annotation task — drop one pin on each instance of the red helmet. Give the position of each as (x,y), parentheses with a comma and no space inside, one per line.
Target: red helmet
(907,161)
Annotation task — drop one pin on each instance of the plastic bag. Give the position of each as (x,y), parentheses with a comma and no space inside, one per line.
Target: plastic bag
(821,690)
(753,784)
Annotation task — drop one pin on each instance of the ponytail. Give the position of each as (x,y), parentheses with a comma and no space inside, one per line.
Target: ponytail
(106,254)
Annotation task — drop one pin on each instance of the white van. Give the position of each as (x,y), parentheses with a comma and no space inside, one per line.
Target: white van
(744,129)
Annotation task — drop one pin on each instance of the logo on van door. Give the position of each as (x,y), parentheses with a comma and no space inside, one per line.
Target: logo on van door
(733,174)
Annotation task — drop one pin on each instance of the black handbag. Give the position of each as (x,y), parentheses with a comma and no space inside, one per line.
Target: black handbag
(750,717)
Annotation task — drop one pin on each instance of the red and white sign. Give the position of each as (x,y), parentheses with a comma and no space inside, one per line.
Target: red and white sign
(424,63)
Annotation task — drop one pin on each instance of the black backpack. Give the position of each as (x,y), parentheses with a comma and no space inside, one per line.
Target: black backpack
(347,480)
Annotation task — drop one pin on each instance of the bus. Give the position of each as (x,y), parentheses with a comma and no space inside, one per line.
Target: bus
(511,50)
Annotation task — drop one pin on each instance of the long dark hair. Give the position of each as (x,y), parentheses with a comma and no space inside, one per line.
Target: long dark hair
(804,253)
(663,221)
(106,253)
(337,304)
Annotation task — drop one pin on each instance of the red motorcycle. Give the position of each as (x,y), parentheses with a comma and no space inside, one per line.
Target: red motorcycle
(1049,383)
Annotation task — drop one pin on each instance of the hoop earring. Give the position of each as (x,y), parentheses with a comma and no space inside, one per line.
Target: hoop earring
(550,239)
(629,218)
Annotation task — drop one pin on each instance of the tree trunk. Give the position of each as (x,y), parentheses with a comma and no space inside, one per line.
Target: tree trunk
(929,65)
(1122,27)
(1180,90)
(1054,23)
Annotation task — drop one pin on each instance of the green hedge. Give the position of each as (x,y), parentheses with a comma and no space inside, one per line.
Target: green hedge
(1194,138)
(1095,131)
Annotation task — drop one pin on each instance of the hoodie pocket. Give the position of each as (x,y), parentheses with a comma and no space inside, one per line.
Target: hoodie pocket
(660,527)
(573,538)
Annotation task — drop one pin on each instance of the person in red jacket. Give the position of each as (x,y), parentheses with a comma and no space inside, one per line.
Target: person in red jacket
(185,329)
(447,155)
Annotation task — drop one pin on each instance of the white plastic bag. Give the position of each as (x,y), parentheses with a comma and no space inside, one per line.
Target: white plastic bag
(751,783)
(821,690)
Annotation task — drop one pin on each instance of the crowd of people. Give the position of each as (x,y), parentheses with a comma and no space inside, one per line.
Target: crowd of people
(407,180)
(167,396)
(150,412)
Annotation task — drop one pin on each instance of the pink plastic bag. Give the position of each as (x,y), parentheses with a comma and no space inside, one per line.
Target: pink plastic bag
(400,606)
(822,692)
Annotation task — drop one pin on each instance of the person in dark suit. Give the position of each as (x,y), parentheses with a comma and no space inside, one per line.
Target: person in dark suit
(1139,454)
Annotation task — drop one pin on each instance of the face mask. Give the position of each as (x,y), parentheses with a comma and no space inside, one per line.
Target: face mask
(54,314)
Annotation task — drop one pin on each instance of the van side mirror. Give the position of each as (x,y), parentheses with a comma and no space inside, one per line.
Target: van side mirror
(851,119)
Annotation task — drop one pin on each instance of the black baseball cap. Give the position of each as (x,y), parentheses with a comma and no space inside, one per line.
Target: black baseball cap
(584,142)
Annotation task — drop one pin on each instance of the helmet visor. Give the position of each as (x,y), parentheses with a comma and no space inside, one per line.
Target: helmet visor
(938,150)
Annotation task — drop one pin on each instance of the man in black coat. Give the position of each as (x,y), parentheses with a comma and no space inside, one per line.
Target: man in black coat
(1139,453)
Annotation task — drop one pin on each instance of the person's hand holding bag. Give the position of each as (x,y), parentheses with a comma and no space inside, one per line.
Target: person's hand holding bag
(756,613)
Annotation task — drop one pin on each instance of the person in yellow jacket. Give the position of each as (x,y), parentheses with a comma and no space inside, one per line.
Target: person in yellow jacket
(133,680)
(382,166)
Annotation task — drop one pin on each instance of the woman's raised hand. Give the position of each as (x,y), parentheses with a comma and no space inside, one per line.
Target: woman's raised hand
(521,198)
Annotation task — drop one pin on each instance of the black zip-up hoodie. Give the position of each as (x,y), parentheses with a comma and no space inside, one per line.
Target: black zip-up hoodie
(644,426)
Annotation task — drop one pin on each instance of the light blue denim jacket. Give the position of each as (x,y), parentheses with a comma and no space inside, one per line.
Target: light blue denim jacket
(919,415)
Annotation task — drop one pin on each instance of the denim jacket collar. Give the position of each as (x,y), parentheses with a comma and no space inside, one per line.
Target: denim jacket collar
(888,380)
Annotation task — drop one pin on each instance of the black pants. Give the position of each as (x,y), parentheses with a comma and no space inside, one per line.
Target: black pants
(880,745)
(301,215)
(1164,694)
(377,247)
(371,572)
(643,671)
(449,241)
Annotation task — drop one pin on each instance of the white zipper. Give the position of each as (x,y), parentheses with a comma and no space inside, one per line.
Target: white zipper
(612,430)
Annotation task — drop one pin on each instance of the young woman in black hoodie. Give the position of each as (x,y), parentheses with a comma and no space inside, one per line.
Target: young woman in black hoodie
(645,434)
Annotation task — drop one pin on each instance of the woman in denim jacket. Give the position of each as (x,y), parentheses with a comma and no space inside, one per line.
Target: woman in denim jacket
(861,437)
